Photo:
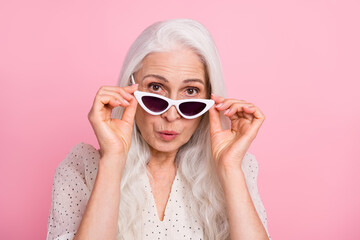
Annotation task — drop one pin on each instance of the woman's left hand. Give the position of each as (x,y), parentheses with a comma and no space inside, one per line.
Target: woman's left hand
(230,146)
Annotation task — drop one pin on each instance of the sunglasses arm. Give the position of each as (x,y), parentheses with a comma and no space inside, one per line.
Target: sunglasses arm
(132,80)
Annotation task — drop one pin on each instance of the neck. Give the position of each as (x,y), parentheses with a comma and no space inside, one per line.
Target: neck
(162,161)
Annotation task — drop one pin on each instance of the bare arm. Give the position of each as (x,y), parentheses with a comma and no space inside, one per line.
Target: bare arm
(102,211)
(244,221)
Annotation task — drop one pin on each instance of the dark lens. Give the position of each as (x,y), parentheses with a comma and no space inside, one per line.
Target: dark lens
(154,104)
(191,108)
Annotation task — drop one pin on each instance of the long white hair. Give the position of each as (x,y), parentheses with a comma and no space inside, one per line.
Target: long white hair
(193,160)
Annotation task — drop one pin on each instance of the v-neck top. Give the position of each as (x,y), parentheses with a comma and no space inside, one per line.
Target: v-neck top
(74,180)
(177,224)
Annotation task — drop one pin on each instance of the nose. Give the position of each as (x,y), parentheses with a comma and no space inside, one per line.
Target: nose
(171,114)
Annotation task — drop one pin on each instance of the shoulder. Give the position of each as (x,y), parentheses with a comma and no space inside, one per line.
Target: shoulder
(72,185)
(82,161)
(82,150)
(79,156)
(81,153)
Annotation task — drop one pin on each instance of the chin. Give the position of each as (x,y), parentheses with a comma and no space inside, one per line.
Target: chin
(166,147)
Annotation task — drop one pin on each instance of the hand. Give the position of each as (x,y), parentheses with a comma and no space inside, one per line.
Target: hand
(114,135)
(230,146)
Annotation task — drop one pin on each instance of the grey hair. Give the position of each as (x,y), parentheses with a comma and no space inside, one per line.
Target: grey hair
(194,159)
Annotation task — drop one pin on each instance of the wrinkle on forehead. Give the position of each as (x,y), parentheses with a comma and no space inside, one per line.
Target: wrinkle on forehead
(175,65)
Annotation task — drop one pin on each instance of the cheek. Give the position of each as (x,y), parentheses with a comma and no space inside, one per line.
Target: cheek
(141,120)
(138,114)
(145,122)
(192,125)
(141,116)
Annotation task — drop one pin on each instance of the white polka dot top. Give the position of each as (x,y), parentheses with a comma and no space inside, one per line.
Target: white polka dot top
(74,179)
(177,224)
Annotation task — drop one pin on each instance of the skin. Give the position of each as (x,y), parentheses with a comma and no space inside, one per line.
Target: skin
(175,67)
(114,135)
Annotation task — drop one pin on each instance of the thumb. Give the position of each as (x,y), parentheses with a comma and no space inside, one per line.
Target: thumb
(215,122)
(129,112)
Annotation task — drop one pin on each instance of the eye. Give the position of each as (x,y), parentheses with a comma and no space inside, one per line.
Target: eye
(154,87)
(192,91)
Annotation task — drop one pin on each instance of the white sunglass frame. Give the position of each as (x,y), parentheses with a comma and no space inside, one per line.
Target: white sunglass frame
(139,94)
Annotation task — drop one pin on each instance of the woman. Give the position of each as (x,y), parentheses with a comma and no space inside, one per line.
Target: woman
(178,171)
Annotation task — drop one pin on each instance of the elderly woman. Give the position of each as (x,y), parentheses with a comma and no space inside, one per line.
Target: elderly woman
(173,160)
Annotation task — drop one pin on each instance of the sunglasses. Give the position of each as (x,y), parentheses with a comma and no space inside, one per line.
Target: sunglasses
(156,104)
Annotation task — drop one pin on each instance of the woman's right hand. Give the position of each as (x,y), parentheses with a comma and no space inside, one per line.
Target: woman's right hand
(114,135)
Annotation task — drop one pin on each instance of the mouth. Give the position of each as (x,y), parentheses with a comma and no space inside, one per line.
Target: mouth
(168,135)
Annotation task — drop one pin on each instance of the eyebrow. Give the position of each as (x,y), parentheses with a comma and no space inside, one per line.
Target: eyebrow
(165,80)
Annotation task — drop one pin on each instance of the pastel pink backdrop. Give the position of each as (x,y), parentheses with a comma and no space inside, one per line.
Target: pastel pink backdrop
(297,60)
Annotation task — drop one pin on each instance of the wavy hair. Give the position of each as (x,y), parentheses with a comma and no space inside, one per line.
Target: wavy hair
(194,159)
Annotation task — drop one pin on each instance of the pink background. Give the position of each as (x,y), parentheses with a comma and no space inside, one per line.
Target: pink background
(297,60)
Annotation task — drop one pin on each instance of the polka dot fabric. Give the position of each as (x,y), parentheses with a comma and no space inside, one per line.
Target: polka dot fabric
(250,168)
(177,224)
(73,182)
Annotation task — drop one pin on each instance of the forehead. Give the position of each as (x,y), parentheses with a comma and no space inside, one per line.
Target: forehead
(174,65)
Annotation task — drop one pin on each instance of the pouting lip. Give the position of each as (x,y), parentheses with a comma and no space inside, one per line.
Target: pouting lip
(169,132)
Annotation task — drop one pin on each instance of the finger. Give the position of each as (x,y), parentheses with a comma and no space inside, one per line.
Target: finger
(249,114)
(103,101)
(258,119)
(129,112)
(236,108)
(126,94)
(125,97)
(120,92)
(220,101)
(236,112)
(118,98)
(131,89)
(128,89)
(217,98)
(256,112)
(227,103)
(215,122)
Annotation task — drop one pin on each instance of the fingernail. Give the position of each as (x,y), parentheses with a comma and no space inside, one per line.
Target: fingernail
(126,102)
(226,111)
(219,105)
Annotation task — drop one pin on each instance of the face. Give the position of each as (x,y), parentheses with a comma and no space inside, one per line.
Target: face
(179,74)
